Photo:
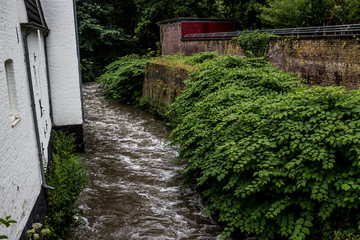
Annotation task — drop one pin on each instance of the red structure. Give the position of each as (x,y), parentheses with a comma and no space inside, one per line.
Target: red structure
(172,31)
(190,27)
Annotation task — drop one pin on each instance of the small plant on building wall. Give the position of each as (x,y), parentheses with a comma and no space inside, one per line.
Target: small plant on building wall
(7,221)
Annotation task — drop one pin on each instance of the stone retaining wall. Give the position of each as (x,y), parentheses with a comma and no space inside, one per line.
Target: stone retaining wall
(221,46)
(323,61)
(164,83)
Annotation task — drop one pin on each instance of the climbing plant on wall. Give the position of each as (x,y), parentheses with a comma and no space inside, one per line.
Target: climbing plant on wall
(255,44)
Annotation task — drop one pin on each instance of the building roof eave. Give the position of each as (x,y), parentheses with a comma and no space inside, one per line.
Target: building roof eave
(35,26)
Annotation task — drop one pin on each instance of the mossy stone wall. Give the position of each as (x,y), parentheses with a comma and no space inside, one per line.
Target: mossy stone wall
(164,83)
(324,61)
(221,46)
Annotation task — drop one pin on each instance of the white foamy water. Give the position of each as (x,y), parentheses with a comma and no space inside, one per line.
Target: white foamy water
(135,190)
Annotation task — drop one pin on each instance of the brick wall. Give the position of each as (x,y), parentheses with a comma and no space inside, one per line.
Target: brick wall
(170,38)
(221,46)
(322,61)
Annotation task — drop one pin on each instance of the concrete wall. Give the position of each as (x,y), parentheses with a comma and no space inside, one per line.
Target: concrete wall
(221,46)
(162,83)
(20,180)
(326,61)
(63,62)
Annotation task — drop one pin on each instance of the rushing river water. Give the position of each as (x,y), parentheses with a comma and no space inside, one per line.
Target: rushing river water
(135,190)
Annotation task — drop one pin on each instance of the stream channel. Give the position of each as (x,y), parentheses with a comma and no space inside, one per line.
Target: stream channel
(135,190)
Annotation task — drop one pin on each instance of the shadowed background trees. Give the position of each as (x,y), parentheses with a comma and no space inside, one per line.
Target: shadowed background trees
(109,29)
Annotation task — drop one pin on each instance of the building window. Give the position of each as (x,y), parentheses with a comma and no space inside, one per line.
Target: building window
(10,79)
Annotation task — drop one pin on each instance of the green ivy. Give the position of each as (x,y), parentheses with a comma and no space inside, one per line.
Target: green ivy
(274,158)
(255,44)
(68,176)
(123,79)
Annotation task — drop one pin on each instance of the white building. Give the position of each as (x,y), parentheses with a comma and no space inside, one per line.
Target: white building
(40,89)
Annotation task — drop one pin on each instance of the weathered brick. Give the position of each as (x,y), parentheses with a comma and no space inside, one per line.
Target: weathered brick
(324,61)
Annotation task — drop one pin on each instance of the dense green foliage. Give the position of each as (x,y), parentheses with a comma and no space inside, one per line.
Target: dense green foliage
(306,13)
(296,13)
(101,39)
(123,79)
(345,12)
(273,157)
(68,177)
(255,44)
(245,13)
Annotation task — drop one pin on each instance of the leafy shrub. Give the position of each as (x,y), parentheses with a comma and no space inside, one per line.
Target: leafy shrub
(255,44)
(156,108)
(68,177)
(123,78)
(274,158)
(201,57)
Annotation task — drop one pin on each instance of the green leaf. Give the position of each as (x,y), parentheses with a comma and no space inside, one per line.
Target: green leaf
(345,187)
(306,231)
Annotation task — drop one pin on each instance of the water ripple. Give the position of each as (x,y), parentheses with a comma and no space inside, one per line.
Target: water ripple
(135,191)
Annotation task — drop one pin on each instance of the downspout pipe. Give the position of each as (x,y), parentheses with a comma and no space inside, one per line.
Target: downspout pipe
(32,98)
(48,76)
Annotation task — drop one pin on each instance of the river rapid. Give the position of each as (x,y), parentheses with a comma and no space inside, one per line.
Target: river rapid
(135,190)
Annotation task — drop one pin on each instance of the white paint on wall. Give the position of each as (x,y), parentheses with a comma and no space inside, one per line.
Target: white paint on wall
(20,180)
(39,79)
(21,10)
(20,175)
(63,62)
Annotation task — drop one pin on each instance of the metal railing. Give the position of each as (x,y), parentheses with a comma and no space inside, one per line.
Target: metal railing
(350,29)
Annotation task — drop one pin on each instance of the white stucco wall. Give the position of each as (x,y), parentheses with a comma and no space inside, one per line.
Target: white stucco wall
(63,62)
(20,175)
(20,178)
(40,84)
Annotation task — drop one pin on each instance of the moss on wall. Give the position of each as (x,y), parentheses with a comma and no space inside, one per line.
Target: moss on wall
(330,61)
(221,46)
(162,84)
